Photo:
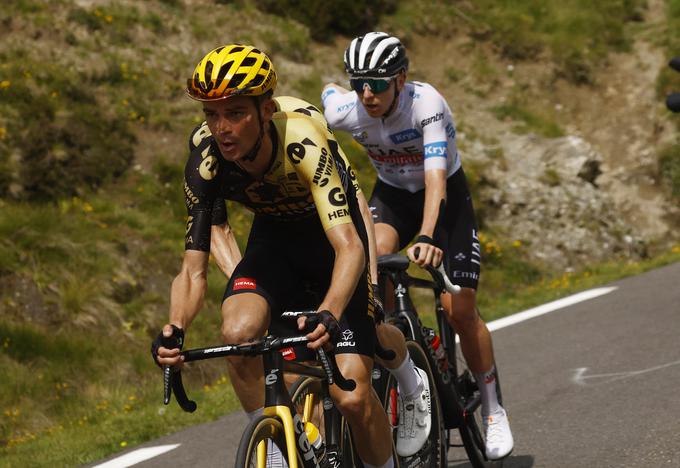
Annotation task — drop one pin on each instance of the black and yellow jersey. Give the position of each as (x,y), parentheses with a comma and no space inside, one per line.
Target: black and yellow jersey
(309,175)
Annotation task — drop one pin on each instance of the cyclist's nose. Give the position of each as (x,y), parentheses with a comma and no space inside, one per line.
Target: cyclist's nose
(223,126)
(367,94)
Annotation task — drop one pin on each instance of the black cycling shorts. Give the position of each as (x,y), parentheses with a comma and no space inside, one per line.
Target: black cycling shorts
(456,232)
(290,265)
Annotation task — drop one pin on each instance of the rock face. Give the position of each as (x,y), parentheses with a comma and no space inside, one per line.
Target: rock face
(546,194)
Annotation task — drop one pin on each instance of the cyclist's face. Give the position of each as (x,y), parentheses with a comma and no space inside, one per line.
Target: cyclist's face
(234,124)
(377,104)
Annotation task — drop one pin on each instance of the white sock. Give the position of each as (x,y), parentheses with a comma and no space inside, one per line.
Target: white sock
(274,455)
(486,381)
(389,464)
(410,383)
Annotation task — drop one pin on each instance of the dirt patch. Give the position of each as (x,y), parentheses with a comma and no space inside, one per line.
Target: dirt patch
(22,301)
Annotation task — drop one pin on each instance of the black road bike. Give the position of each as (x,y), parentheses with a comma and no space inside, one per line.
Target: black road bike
(455,386)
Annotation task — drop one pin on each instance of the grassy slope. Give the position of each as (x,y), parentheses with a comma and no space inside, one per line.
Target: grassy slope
(84,280)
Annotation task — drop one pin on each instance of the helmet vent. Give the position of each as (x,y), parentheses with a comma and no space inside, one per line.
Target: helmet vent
(237,79)
(249,61)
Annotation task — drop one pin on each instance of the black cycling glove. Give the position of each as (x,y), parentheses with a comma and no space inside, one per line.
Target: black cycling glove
(326,319)
(176,340)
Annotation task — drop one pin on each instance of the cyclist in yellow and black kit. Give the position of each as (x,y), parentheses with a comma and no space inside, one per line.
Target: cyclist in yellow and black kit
(308,232)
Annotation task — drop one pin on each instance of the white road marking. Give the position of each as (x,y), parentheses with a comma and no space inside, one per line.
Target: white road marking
(580,377)
(549,307)
(137,456)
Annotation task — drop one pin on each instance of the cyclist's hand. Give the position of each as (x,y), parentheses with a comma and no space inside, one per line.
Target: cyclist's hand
(323,329)
(165,349)
(423,254)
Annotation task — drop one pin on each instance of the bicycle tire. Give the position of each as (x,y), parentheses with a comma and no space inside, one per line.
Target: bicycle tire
(306,385)
(433,454)
(470,428)
(260,429)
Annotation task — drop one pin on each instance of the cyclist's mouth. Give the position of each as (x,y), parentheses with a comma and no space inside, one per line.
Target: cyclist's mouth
(371,108)
(227,148)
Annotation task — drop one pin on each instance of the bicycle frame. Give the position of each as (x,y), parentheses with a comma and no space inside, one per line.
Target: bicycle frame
(278,402)
(405,309)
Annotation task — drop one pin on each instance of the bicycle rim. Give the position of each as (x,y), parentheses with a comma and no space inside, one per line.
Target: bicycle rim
(470,430)
(306,395)
(253,447)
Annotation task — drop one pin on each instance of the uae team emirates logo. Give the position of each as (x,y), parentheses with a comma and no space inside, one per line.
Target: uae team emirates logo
(244,283)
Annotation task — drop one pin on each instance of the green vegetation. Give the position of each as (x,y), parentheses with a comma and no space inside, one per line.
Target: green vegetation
(578,34)
(669,168)
(531,121)
(325,19)
(93,121)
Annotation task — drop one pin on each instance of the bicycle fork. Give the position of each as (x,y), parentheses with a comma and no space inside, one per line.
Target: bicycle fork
(279,404)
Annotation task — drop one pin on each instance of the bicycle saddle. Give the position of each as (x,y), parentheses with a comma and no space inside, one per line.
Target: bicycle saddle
(393,262)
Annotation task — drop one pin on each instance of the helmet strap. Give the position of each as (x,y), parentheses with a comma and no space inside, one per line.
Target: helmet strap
(394,101)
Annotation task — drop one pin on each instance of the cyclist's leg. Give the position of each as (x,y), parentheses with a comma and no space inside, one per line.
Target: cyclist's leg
(251,297)
(363,411)
(397,215)
(458,237)
(245,317)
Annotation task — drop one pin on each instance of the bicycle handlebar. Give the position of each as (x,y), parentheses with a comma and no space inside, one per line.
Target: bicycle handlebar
(440,277)
(172,380)
(383,353)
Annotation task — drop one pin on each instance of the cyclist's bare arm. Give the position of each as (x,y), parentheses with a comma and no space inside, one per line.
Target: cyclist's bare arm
(186,298)
(224,248)
(370,231)
(435,193)
(347,271)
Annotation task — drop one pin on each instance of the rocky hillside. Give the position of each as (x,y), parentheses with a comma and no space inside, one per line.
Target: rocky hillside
(576,180)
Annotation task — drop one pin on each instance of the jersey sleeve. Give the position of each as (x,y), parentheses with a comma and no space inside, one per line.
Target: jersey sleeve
(337,106)
(437,127)
(313,160)
(203,207)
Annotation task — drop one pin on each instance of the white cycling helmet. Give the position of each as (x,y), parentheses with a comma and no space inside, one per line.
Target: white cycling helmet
(375,55)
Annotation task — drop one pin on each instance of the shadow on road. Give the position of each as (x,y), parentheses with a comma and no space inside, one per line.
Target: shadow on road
(519,461)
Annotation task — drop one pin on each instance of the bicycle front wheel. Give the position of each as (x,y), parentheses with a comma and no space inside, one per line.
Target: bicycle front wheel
(257,439)
(307,396)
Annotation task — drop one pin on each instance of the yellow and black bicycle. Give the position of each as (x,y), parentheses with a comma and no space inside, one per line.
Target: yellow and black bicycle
(285,422)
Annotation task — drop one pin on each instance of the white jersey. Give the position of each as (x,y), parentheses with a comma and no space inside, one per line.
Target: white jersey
(419,135)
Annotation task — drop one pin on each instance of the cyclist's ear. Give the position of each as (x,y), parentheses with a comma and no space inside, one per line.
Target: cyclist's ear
(267,107)
(401,80)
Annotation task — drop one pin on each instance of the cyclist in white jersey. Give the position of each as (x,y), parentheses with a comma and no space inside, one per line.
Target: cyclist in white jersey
(409,135)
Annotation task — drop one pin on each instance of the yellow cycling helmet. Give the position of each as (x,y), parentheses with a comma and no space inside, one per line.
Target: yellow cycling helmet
(233,69)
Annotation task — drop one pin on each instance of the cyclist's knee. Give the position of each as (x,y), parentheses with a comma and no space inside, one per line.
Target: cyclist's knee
(239,332)
(462,310)
(353,405)
(243,319)
(385,247)
(386,239)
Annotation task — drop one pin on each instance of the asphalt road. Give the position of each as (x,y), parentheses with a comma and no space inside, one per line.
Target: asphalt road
(594,384)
